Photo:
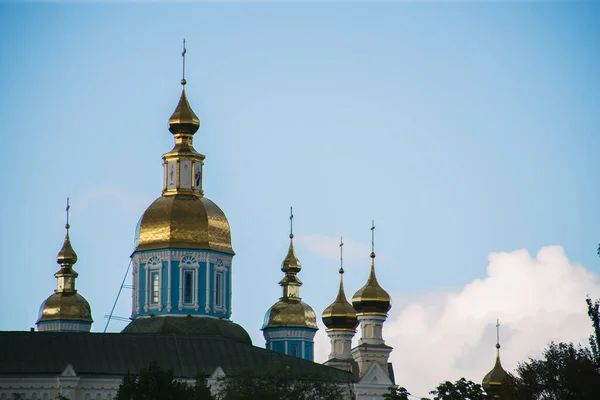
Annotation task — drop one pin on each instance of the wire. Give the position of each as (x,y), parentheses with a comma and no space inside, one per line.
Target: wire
(118,295)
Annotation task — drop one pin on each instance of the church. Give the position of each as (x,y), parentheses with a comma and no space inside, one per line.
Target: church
(181,313)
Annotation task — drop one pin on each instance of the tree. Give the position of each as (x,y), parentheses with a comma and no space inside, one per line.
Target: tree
(565,372)
(282,384)
(155,383)
(594,314)
(395,393)
(460,390)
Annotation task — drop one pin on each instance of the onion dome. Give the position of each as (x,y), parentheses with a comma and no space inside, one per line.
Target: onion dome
(290,310)
(66,305)
(184,120)
(183,221)
(290,313)
(340,315)
(291,263)
(494,380)
(371,299)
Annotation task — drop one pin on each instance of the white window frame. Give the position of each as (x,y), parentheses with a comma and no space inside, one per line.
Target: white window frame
(192,299)
(219,304)
(188,263)
(154,264)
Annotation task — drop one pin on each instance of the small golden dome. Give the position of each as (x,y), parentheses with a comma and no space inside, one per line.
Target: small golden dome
(290,313)
(183,221)
(494,379)
(69,306)
(340,314)
(291,262)
(66,255)
(371,298)
(184,120)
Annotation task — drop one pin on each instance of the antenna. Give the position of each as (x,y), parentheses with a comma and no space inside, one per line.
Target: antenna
(183,81)
(341,255)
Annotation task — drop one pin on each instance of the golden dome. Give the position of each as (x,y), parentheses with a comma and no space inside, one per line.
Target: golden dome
(290,313)
(65,306)
(291,263)
(65,303)
(183,221)
(340,314)
(66,255)
(371,298)
(184,120)
(494,380)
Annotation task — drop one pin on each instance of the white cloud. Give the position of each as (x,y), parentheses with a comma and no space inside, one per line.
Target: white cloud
(328,247)
(445,336)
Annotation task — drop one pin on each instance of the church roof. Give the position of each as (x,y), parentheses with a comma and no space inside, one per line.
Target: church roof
(191,326)
(116,354)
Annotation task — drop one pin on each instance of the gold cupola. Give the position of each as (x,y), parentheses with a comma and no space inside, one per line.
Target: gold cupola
(493,382)
(65,310)
(372,299)
(290,310)
(340,315)
(182,217)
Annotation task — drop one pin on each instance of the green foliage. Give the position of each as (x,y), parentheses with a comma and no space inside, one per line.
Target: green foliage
(396,394)
(565,372)
(594,315)
(459,390)
(155,383)
(281,384)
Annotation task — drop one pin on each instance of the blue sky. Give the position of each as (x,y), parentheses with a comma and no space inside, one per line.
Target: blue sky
(462,129)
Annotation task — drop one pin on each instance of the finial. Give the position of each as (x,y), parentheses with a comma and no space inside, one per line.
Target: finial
(341,255)
(68,207)
(373,239)
(183,81)
(291,223)
(497,333)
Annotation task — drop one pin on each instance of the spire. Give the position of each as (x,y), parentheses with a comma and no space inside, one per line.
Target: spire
(67,256)
(340,314)
(66,259)
(372,298)
(183,120)
(65,309)
(291,263)
(493,381)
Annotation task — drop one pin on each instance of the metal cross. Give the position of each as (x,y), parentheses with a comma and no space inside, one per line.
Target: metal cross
(497,332)
(68,207)
(183,56)
(341,255)
(291,223)
(373,238)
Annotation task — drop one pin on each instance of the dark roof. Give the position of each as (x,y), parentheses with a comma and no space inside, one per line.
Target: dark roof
(190,326)
(115,354)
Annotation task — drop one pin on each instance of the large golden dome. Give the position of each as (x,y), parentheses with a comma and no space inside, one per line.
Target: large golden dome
(183,221)
(290,313)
